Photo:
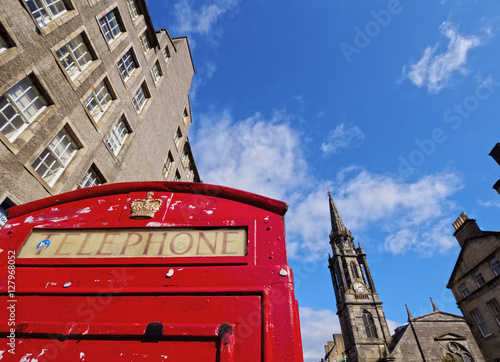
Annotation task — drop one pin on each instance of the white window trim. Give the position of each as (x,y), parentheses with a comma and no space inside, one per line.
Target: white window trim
(145,42)
(131,6)
(107,23)
(74,58)
(56,158)
(93,174)
(116,136)
(127,71)
(93,95)
(12,102)
(51,16)
(156,75)
(137,102)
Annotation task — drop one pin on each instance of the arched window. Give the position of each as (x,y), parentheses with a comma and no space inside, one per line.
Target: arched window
(371,331)
(457,352)
(354,270)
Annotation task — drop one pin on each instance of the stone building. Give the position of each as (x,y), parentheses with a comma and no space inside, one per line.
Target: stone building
(475,283)
(364,326)
(90,93)
(335,350)
(434,337)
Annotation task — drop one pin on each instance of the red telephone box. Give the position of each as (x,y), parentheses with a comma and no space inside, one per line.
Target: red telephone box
(158,271)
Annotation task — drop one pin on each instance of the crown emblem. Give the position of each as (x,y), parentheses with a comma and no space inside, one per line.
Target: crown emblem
(145,208)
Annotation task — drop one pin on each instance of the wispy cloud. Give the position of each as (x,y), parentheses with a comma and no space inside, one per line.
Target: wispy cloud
(317,327)
(342,137)
(195,18)
(263,155)
(413,215)
(258,154)
(436,71)
(201,77)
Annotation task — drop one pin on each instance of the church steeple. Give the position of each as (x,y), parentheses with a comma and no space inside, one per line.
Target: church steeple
(338,227)
(362,320)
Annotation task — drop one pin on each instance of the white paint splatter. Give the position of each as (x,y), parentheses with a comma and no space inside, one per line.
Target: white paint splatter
(82,356)
(29,219)
(85,210)
(110,208)
(192,207)
(26,358)
(154,224)
(163,356)
(209,212)
(54,209)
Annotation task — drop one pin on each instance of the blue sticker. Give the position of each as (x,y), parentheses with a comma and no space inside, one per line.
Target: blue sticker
(45,243)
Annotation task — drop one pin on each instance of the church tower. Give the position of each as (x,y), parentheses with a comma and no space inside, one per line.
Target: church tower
(362,320)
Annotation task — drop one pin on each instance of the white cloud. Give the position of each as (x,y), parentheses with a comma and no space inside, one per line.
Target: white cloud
(201,77)
(414,215)
(200,19)
(317,327)
(263,155)
(341,137)
(435,71)
(256,154)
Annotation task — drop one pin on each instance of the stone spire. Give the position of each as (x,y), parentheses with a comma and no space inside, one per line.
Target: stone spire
(338,227)
(410,317)
(434,308)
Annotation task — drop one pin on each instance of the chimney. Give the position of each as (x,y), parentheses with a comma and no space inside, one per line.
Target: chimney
(466,228)
(495,153)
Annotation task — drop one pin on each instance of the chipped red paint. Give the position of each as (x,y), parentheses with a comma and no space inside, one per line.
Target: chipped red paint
(216,308)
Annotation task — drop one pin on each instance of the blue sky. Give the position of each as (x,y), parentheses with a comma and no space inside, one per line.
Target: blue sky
(392,105)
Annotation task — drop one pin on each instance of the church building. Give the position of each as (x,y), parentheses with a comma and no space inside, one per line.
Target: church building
(437,336)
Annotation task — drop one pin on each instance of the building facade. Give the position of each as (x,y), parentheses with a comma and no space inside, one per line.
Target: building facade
(437,336)
(90,93)
(335,349)
(475,283)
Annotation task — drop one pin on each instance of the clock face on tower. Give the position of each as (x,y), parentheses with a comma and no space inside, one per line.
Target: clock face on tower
(359,287)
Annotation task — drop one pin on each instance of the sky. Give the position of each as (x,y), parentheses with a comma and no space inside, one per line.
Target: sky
(393,106)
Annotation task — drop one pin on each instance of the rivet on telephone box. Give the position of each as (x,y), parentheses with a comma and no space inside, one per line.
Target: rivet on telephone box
(157,271)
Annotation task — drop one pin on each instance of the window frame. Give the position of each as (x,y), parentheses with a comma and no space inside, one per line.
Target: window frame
(479,279)
(166,54)
(145,42)
(94,98)
(168,164)
(32,86)
(158,74)
(480,322)
(369,324)
(494,308)
(46,7)
(139,102)
(116,136)
(133,61)
(178,137)
(464,291)
(56,157)
(129,4)
(92,171)
(68,69)
(106,27)
(495,265)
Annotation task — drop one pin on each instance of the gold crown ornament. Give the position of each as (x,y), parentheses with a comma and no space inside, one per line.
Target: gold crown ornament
(145,208)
